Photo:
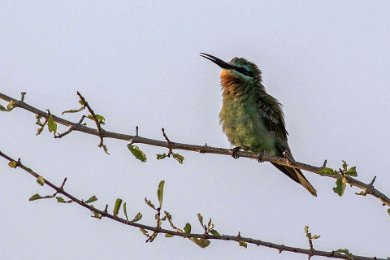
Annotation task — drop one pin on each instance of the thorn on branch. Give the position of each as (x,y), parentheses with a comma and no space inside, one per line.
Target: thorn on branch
(22,96)
(364,191)
(63,183)
(136,131)
(324,164)
(202,149)
(372,182)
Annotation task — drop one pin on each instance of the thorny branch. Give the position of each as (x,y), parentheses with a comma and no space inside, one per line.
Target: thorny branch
(366,188)
(176,232)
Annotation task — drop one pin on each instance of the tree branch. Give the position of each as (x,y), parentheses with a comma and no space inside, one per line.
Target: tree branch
(156,230)
(366,188)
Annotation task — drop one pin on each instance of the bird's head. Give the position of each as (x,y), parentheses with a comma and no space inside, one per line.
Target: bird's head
(237,69)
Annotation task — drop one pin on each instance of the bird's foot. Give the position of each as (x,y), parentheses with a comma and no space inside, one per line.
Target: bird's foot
(234,152)
(260,157)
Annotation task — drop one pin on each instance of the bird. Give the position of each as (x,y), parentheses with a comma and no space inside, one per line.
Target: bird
(252,119)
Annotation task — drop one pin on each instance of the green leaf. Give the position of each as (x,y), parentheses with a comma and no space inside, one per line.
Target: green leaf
(210,224)
(2,108)
(161,156)
(38,122)
(91,199)
(137,152)
(215,233)
(60,200)
(178,157)
(125,210)
(149,203)
(51,124)
(340,185)
(344,165)
(13,164)
(388,211)
(101,119)
(160,192)
(306,228)
(40,180)
(327,171)
(168,235)
(351,171)
(346,252)
(117,206)
(200,217)
(187,229)
(243,244)
(35,197)
(137,217)
(203,243)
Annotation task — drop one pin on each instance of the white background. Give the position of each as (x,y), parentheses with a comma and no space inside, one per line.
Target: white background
(138,63)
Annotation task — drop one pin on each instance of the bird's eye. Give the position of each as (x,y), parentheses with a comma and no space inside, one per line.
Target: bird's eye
(245,72)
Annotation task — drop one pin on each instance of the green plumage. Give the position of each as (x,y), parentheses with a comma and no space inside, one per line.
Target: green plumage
(252,119)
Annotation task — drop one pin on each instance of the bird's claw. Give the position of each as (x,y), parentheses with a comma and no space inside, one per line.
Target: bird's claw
(260,157)
(234,152)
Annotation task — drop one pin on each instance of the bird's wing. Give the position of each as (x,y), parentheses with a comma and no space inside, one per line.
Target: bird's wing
(273,118)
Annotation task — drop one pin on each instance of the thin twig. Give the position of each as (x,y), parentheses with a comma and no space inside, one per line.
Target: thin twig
(170,144)
(70,129)
(98,125)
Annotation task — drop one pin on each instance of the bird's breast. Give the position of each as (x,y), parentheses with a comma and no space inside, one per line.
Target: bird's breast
(243,125)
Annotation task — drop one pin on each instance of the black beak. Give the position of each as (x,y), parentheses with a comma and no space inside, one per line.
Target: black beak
(219,62)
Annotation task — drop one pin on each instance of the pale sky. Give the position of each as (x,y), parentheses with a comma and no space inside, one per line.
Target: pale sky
(138,64)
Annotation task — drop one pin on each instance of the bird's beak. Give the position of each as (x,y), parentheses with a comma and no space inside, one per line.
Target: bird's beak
(219,62)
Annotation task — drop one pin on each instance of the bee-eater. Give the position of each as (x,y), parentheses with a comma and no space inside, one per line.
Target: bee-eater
(252,119)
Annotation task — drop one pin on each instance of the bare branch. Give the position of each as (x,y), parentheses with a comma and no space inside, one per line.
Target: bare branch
(176,232)
(367,188)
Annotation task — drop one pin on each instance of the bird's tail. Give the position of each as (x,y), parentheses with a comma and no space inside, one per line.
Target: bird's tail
(297,176)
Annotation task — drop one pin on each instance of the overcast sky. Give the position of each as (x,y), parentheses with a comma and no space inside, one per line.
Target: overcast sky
(138,64)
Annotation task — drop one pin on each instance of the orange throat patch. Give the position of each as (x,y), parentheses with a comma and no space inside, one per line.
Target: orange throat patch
(228,79)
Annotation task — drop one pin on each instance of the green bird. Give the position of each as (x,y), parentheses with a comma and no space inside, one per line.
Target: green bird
(252,119)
